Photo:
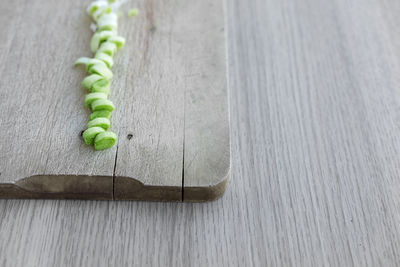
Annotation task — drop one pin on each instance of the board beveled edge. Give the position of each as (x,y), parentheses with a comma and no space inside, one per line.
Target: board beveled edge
(107,188)
(60,187)
(128,188)
(206,193)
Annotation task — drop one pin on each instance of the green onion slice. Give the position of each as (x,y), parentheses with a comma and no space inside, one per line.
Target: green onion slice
(90,98)
(96,5)
(96,15)
(103,104)
(90,134)
(108,22)
(90,80)
(95,42)
(82,61)
(98,38)
(118,41)
(108,48)
(105,140)
(102,70)
(108,60)
(133,12)
(101,86)
(99,122)
(107,25)
(94,61)
(100,114)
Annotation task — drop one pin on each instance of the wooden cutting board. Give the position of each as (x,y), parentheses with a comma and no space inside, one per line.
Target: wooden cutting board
(169,89)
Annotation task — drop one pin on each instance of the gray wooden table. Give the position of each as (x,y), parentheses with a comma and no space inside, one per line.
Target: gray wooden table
(315,125)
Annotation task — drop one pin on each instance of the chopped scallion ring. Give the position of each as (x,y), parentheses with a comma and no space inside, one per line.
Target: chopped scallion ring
(102,70)
(98,38)
(100,12)
(107,23)
(108,60)
(105,140)
(96,5)
(90,134)
(90,80)
(99,122)
(108,48)
(133,12)
(102,104)
(95,42)
(100,114)
(90,98)
(93,62)
(101,86)
(118,41)
(82,61)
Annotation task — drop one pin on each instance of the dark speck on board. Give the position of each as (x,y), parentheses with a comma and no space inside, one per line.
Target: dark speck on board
(129,136)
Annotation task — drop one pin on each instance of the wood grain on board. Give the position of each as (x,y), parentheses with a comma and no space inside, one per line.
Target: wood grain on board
(169,88)
(178,113)
(207,146)
(42,111)
(150,149)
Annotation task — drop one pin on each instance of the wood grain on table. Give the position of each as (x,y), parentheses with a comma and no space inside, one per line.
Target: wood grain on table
(314,102)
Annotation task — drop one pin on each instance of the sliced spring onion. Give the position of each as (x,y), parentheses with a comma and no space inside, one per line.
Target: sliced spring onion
(94,6)
(108,48)
(90,98)
(100,114)
(133,12)
(108,60)
(82,61)
(107,26)
(90,134)
(89,62)
(90,80)
(102,70)
(105,140)
(110,17)
(118,41)
(98,38)
(103,104)
(104,35)
(101,86)
(93,62)
(108,22)
(95,42)
(100,12)
(99,122)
